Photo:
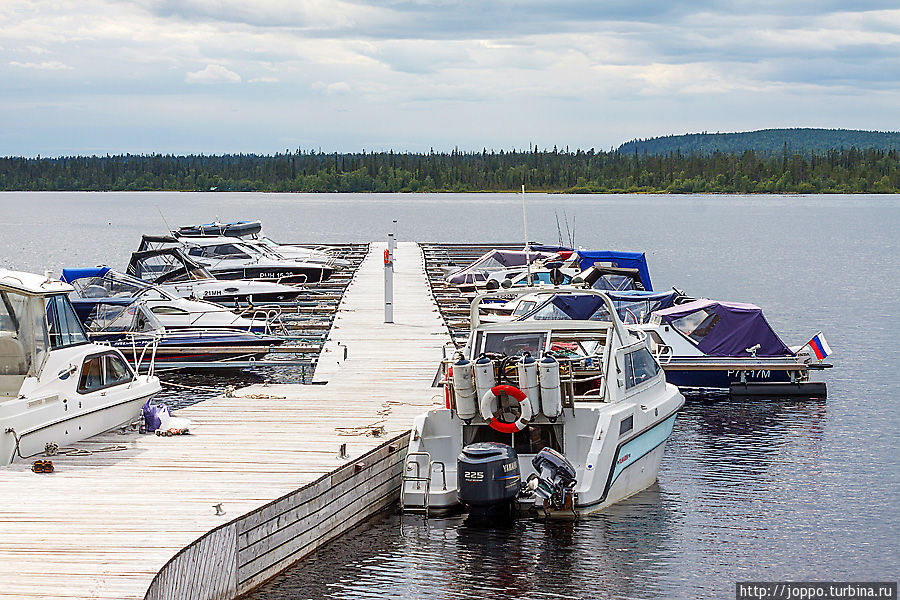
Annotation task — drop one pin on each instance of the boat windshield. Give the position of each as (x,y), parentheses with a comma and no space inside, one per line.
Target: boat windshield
(114,285)
(168,268)
(63,325)
(513,344)
(23,334)
(114,318)
(612,282)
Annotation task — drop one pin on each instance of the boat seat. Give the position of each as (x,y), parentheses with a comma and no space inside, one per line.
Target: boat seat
(13,360)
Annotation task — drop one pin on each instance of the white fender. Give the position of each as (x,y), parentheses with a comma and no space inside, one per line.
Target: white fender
(551,395)
(526,369)
(484,376)
(464,389)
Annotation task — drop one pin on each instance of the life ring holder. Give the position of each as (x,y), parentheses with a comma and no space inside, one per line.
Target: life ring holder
(487,404)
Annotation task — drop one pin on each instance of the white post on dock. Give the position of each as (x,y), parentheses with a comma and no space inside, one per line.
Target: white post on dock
(389,280)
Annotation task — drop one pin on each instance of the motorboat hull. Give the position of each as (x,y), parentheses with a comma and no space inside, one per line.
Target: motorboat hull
(609,470)
(34,434)
(696,372)
(281,274)
(187,348)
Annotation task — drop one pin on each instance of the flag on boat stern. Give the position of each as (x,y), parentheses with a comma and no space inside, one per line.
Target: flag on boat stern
(820,346)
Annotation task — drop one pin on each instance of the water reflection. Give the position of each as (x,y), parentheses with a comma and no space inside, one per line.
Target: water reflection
(406,556)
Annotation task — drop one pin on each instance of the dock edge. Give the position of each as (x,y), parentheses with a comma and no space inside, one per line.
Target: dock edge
(236,557)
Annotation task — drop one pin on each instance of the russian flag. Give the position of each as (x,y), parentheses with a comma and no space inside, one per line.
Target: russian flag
(819,346)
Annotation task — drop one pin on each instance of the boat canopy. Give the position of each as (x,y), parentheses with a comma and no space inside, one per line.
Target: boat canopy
(493,261)
(70,275)
(235,229)
(165,265)
(613,258)
(103,282)
(725,328)
(633,306)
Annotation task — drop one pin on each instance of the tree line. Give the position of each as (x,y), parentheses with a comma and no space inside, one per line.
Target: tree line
(833,171)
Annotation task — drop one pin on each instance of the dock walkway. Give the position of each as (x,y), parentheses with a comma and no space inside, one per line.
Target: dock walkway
(103,525)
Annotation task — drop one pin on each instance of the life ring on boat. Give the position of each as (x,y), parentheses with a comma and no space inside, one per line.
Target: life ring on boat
(487,408)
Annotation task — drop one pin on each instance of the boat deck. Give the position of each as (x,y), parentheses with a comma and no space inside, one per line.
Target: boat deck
(104,524)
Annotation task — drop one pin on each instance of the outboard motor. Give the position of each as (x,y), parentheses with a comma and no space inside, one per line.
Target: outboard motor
(555,477)
(488,479)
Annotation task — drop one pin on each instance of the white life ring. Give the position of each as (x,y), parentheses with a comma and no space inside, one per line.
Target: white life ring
(487,408)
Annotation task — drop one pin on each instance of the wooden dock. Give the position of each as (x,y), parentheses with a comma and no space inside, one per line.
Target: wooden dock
(105,525)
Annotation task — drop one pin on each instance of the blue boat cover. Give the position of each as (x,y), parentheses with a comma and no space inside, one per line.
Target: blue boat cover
(622,260)
(632,306)
(70,275)
(725,328)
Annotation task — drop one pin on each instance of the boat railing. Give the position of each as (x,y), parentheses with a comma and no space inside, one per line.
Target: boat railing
(147,345)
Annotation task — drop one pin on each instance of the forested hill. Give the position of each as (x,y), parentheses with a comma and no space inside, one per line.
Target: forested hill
(834,171)
(799,141)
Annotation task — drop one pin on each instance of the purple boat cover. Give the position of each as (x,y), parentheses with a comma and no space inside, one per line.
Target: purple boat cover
(738,327)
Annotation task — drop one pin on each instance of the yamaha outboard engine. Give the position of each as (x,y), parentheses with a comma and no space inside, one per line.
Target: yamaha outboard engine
(488,479)
(555,477)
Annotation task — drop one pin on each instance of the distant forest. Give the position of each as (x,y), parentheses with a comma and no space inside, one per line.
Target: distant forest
(848,170)
(766,141)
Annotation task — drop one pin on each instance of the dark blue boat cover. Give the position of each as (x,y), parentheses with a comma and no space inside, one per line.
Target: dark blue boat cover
(725,328)
(70,275)
(622,260)
(633,306)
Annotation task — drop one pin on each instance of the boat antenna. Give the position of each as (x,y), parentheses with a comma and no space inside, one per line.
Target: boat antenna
(527,253)
(568,231)
(558,230)
(573,232)
(168,229)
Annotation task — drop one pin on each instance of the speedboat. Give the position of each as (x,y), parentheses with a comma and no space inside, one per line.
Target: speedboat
(709,344)
(56,387)
(250,232)
(231,258)
(134,327)
(183,277)
(703,345)
(558,418)
(99,288)
(495,264)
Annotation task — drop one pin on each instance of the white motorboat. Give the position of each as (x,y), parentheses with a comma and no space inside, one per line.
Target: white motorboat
(56,388)
(104,291)
(183,277)
(578,410)
(250,232)
(232,258)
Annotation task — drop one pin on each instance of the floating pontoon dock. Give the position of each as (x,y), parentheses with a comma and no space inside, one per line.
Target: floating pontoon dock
(142,522)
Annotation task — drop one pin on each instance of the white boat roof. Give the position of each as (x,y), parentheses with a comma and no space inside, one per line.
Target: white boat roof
(29,283)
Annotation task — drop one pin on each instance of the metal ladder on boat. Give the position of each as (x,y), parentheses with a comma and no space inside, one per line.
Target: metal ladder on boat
(412,474)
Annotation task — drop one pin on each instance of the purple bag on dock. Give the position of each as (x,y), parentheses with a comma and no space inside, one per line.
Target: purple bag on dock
(153,415)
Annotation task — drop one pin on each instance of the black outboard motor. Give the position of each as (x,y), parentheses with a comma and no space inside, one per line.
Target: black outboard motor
(488,479)
(555,477)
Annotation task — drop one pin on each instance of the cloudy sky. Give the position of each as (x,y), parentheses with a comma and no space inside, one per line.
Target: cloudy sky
(183,76)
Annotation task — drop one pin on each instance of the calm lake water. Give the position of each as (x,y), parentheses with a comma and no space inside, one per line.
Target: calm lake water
(747,491)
